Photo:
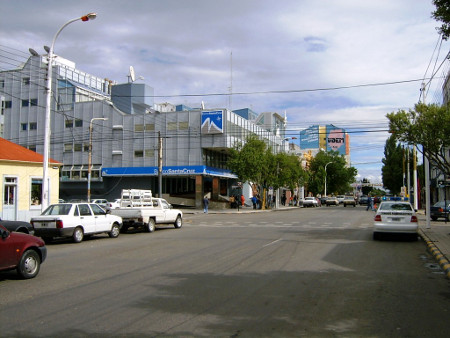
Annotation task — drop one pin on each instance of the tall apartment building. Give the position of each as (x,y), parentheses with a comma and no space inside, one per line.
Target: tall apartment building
(127,128)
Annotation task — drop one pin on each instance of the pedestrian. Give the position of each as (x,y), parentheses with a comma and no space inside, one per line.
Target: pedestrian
(242,200)
(254,201)
(205,204)
(369,203)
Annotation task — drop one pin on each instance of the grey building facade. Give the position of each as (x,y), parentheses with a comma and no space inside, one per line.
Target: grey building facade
(126,143)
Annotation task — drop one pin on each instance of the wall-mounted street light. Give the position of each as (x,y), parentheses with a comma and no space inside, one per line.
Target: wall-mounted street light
(90,155)
(45,180)
(325,190)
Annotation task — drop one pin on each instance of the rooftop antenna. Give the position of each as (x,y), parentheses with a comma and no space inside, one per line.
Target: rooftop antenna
(132,75)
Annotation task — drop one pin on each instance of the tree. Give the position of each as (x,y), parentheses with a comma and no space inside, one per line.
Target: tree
(339,175)
(428,126)
(253,161)
(442,13)
(392,170)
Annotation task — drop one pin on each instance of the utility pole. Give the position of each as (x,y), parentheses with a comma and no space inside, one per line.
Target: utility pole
(426,164)
(160,150)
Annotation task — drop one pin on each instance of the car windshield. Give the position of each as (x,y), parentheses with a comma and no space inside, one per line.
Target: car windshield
(440,204)
(395,206)
(57,209)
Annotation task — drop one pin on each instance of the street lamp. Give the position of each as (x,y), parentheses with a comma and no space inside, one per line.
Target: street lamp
(325,192)
(90,155)
(45,181)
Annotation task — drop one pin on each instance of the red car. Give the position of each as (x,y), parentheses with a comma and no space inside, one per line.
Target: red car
(22,252)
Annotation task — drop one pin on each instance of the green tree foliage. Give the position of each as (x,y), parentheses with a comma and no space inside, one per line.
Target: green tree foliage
(254,162)
(442,13)
(339,175)
(392,170)
(428,126)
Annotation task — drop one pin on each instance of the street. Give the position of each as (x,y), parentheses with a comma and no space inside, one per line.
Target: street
(312,272)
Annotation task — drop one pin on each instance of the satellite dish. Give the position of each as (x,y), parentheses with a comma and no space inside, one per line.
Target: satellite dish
(132,74)
(33,52)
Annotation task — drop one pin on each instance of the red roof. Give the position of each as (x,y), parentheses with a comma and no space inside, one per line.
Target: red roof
(10,151)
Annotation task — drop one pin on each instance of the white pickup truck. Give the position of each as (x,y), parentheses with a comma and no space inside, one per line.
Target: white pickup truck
(139,209)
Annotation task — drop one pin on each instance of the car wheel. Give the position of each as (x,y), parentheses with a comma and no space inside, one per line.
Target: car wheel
(433,218)
(345,205)
(150,226)
(29,264)
(178,222)
(78,235)
(115,231)
(376,236)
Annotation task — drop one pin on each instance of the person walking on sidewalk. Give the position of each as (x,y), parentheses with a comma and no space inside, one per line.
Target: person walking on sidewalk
(205,204)
(242,200)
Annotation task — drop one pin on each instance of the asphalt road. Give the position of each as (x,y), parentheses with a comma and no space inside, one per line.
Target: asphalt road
(307,272)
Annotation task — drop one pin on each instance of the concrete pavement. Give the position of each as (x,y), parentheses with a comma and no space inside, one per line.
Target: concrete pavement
(437,237)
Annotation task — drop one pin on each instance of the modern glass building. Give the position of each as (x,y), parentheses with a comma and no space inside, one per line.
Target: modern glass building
(128,133)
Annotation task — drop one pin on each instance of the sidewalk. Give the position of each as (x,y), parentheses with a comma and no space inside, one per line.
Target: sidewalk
(437,237)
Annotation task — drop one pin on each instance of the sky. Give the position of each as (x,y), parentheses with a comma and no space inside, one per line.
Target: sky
(341,62)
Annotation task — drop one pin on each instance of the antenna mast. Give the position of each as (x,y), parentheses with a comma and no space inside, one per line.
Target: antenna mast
(230,101)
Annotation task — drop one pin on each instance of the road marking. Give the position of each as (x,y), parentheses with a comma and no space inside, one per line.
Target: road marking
(273,242)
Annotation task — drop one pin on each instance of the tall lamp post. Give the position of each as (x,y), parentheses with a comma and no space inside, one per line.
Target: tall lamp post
(325,191)
(90,155)
(45,180)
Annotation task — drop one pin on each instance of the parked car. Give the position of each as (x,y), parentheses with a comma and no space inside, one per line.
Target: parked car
(349,200)
(332,201)
(101,202)
(113,205)
(340,198)
(439,210)
(310,202)
(363,200)
(18,226)
(395,217)
(22,252)
(75,220)
(323,200)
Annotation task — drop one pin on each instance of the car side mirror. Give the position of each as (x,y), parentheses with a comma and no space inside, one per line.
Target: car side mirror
(5,234)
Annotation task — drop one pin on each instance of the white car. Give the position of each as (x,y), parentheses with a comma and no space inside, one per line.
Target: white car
(75,220)
(395,217)
(113,205)
(310,202)
(101,202)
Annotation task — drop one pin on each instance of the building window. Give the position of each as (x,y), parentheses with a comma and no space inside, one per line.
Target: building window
(138,127)
(171,126)
(68,147)
(86,147)
(78,147)
(138,153)
(78,123)
(36,191)
(149,152)
(183,125)
(32,147)
(26,81)
(69,123)
(150,127)
(33,102)
(25,103)
(33,125)
(2,83)
(8,104)
(24,126)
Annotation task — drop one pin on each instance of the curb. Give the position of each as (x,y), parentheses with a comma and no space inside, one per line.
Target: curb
(434,250)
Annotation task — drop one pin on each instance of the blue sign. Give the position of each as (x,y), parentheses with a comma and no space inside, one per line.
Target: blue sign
(212,122)
(168,171)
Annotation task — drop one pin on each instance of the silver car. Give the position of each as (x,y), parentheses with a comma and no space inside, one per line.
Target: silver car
(395,217)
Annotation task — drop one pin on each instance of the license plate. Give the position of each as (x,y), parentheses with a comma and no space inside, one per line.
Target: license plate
(396,219)
(44,225)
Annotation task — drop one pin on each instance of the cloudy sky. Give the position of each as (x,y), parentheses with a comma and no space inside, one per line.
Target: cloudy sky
(344,62)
